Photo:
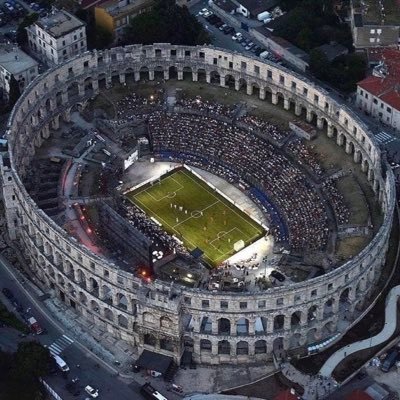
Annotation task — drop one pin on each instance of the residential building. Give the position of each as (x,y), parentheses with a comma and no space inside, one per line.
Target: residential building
(379,94)
(14,62)
(374,26)
(115,15)
(281,48)
(57,37)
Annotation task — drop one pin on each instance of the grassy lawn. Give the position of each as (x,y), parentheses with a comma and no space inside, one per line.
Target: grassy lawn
(192,211)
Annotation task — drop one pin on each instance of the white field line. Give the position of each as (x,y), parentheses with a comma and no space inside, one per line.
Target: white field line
(187,219)
(215,197)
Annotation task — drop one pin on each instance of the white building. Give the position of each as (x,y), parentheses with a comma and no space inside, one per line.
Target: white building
(14,62)
(379,94)
(57,37)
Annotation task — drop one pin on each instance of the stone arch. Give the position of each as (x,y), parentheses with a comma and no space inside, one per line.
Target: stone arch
(224,347)
(166,344)
(129,75)
(215,77)
(345,295)
(206,325)
(122,301)
(81,277)
(60,280)
(242,348)
(144,73)
(224,326)
(205,346)
(173,72)
(165,322)
(123,321)
(94,306)
(230,81)
(295,340)
(241,84)
(188,344)
(260,347)
(242,326)
(108,314)
(254,89)
(312,314)
(159,72)
(277,345)
(328,329)
(295,319)
(47,105)
(187,73)
(280,99)
(59,99)
(201,75)
(311,335)
(260,326)
(88,84)
(328,307)
(73,90)
(279,322)
(149,339)
(70,289)
(107,294)
(82,298)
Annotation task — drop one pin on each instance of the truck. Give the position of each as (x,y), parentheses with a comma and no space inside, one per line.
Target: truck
(34,326)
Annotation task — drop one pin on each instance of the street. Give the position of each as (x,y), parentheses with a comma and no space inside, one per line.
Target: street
(90,371)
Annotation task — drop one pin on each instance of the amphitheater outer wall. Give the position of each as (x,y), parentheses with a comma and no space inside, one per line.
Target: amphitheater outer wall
(153,315)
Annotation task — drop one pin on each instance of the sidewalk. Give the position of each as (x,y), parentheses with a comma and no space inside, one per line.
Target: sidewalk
(387,331)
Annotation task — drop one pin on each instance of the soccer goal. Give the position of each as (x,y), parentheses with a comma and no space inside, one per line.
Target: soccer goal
(238,245)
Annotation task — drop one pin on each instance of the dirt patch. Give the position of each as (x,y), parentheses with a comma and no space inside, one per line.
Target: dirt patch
(350,246)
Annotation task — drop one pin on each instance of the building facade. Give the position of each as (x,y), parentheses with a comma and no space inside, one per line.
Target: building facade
(379,94)
(14,62)
(155,315)
(57,37)
(115,15)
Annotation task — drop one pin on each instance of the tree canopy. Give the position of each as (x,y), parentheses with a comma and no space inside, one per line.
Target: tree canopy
(22,36)
(20,372)
(166,23)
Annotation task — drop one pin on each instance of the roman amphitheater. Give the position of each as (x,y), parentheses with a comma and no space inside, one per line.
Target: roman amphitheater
(68,164)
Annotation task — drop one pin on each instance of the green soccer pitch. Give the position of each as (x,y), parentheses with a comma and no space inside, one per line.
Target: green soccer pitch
(200,217)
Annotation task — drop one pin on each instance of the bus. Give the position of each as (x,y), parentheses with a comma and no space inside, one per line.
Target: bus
(150,393)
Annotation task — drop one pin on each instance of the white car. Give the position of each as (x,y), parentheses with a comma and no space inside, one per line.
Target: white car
(237,36)
(92,392)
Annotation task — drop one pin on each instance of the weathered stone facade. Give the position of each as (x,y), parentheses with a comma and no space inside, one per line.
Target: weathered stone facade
(155,315)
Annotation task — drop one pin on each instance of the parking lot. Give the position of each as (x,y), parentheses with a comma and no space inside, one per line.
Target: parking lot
(242,43)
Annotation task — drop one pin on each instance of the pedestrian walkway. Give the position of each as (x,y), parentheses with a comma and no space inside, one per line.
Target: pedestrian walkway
(384,138)
(57,347)
(389,328)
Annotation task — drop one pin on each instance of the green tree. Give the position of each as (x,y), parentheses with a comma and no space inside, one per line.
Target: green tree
(33,358)
(319,64)
(14,93)
(22,36)
(166,23)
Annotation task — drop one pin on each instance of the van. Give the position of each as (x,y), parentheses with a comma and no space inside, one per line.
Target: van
(61,364)
(389,360)
(264,55)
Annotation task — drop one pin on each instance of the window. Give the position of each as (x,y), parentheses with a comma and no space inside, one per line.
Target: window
(187,53)
(316,98)
(375,101)
(388,109)
(330,286)
(257,69)
(269,74)
(305,91)
(281,79)
(187,300)
(75,37)
(366,95)
(106,273)
(294,85)
(243,305)
(224,304)
(82,44)
(382,105)
(120,280)
(63,42)
(86,64)
(297,298)
(201,54)
(64,52)
(215,61)
(372,40)
(261,303)
(279,302)
(346,277)
(243,65)
(313,292)
(361,92)
(81,35)
(205,304)
(230,65)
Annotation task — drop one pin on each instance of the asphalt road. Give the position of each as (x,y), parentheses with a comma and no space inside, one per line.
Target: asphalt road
(89,371)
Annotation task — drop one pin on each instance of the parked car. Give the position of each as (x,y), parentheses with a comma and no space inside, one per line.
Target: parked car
(390,360)
(92,392)
(249,46)
(237,36)
(203,11)
(8,293)
(278,275)
(228,30)
(221,28)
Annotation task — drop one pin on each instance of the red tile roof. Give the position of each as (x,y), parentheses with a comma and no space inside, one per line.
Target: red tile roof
(286,395)
(386,88)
